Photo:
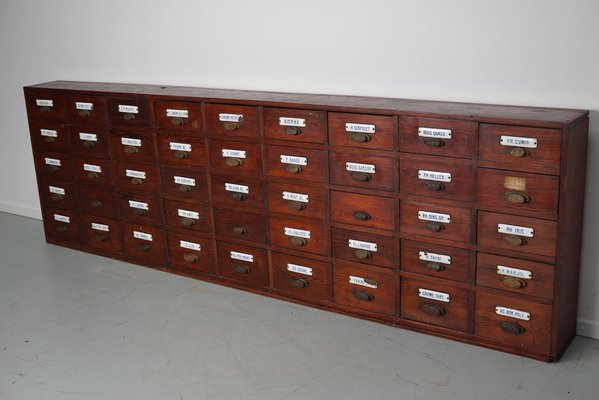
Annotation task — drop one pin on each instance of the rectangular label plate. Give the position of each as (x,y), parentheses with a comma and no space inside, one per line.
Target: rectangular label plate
(288,121)
(230,117)
(139,205)
(515,230)
(434,257)
(84,106)
(231,187)
(100,227)
(302,198)
(44,103)
(181,180)
(297,233)
(188,214)
(92,168)
(357,167)
(235,255)
(190,245)
(358,244)
(131,173)
(90,137)
(434,133)
(356,280)
(52,161)
(431,216)
(518,141)
(62,218)
(123,108)
(299,269)
(294,160)
(49,132)
(234,153)
(142,236)
(57,190)
(170,112)
(179,146)
(362,128)
(434,176)
(515,272)
(513,313)
(131,142)
(431,294)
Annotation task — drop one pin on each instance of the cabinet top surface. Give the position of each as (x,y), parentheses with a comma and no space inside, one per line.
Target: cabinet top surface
(532,116)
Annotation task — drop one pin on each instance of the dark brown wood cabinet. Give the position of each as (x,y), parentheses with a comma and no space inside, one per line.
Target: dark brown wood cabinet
(458,220)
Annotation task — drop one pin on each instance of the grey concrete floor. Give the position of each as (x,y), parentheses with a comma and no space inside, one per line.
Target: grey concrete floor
(77,326)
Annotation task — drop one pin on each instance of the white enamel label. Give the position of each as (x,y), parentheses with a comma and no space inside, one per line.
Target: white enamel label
(297,232)
(517,141)
(302,198)
(181,180)
(299,269)
(170,112)
(515,230)
(180,146)
(364,128)
(434,257)
(90,137)
(294,160)
(431,294)
(437,217)
(128,109)
(131,142)
(234,153)
(92,168)
(434,176)
(131,173)
(49,132)
(52,161)
(231,187)
(188,214)
(287,121)
(142,236)
(57,190)
(100,227)
(235,255)
(356,280)
(84,106)
(434,133)
(44,103)
(357,167)
(190,245)
(139,205)
(62,218)
(230,117)
(357,244)
(513,313)
(515,272)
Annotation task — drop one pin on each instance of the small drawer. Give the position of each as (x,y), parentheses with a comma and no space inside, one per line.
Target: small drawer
(95,200)
(362,131)
(302,235)
(439,137)
(146,243)
(518,323)
(296,200)
(49,136)
(244,264)
(232,120)
(130,112)
(438,261)
(295,125)
(189,184)
(514,275)
(103,234)
(520,148)
(530,235)
(363,210)
(87,109)
(231,191)
(438,179)
(296,164)
(189,216)
(141,208)
(132,176)
(62,225)
(530,194)
(300,277)
(89,141)
(235,157)
(367,288)
(43,104)
(435,220)
(178,115)
(364,247)
(240,225)
(363,171)
(191,252)
(178,150)
(54,165)
(95,171)
(434,304)
(54,193)
(132,146)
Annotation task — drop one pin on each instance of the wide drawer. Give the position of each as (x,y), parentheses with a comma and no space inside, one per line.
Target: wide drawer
(295,125)
(435,221)
(95,200)
(363,171)
(188,184)
(191,252)
(103,234)
(300,277)
(185,215)
(53,165)
(231,191)
(232,120)
(59,194)
(235,157)
(141,208)
(137,177)
(244,264)
(62,225)
(434,260)
(240,225)
(180,115)
(299,201)
(363,210)
(86,109)
(89,140)
(362,131)
(129,112)
(132,146)
(440,137)
(146,243)
(45,104)
(49,136)
(181,150)
(302,235)
(363,247)
(296,164)
(94,171)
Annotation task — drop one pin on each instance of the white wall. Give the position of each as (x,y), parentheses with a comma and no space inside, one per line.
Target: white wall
(537,52)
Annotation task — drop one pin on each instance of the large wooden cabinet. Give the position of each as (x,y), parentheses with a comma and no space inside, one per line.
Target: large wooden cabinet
(460,220)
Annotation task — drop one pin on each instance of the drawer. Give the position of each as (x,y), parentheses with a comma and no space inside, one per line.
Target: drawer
(86,109)
(95,171)
(43,104)
(244,264)
(59,194)
(299,201)
(363,247)
(295,125)
(240,225)
(141,208)
(362,131)
(516,233)
(133,176)
(296,164)
(103,234)
(235,157)
(62,225)
(49,136)
(435,260)
(435,178)
(132,146)
(179,150)
(515,275)
(434,304)
(363,171)
(518,323)
(129,112)
(440,137)
(179,214)
(191,252)
(54,165)
(300,277)
(146,243)
(518,192)
(246,193)
(95,200)
(232,120)
(180,115)
(89,140)
(367,288)
(302,235)
(188,184)
(520,148)
(363,210)
(435,221)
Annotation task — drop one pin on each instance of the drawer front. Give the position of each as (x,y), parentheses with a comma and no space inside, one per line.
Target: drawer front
(137,177)
(438,261)
(363,171)
(53,165)
(244,264)
(87,109)
(295,125)
(232,120)
(141,208)
(179,150)
(440,137)
(178,115)
(434,304)
(103,234)
(240,225)
(367,288)
(302,235)
(520,148)
(502,319)
(516,233)
(132,146)
(59,194)
(362,131)
(435,220)
(45,104)
(300,277)
(296,164)
(365,248)
(95,200)
(519,192)
(95,171)
(189,184)
(437,179)
(49,136)
(89,140)
(62,225)
(230,191)
(296,200)
(129,112)
(363,210)
(180,214)
(144,242)
(235,157)
(191,252)
(515,275)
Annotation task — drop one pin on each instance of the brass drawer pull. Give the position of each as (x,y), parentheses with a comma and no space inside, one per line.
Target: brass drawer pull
(239,230)
(435,267)
(238,196)
(233,162)
(518,152)
(84,113)
(362,216)
(131,149)
(61,228)
(92,175)
(96,203)
(436,186)
(294,169)
(88,144)
(53,168)
(516,198)
(136,181)
(181,154)
(434,143)
(296,205)
(231,126)
(434,226)
(190,258)
(434,310)
(363,254)
(363,296)
(187,222)
(359,137)
(56,197)
(101,237)
(129,117)
(514,240)
(49,139)
(512,327)
(513,282)
(185,188)
(139,212)
(293,131)
(145,247)
(361,176)
(297,241)
(177,121)
(242,269)
(45,109)
(299,283)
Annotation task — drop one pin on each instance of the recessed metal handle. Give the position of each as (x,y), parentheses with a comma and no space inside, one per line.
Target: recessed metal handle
(514,240)
(53,168)
(190,258)
(56,197)
(92,175)
(516,198)
(513,283)
(45,109)
(434,226)
(88,143)
(242,269)
(131,149)
(185,188)
(436,186)
(239,230)
(187,221)
(139,212)
(62,228)
(298,241)
(233,162)
(518,152)
(231,126)
(129,116)
(359,137)
(435,267)
(181,154)
(84,113)
(512,327)
(360,176)
(361,216)
(434,142)
(433,309)
(363,295)
(363,254)
(294,169)
(238,196)
(293,131)
(299,283)
(177,121)
(136,181)
(296,205)
(96,203)
(49,139)
(145,247)
(101,237)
